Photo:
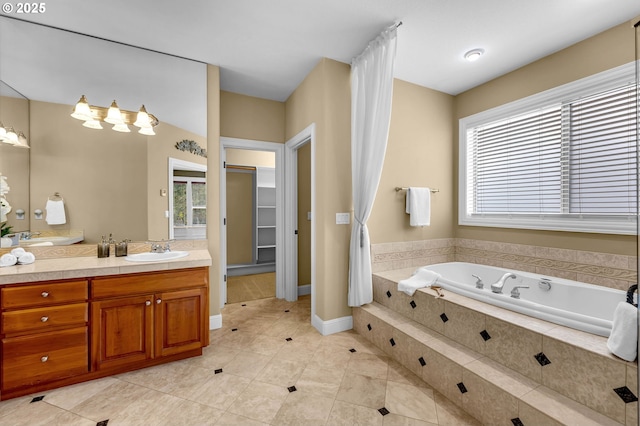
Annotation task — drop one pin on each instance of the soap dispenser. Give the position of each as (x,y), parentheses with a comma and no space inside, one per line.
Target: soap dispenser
(103,248)
(121,248)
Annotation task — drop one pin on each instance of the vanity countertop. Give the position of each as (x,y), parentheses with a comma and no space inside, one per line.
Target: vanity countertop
(80,267)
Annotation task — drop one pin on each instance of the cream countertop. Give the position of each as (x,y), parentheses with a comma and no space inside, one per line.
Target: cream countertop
(81,267)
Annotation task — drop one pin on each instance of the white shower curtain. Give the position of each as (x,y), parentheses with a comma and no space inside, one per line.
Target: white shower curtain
(371,92)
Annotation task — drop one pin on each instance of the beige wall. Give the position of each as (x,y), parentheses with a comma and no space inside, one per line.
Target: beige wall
(324,98)
(101,174)
(240,189)
(14,162)
(604,51)
(213,185)
(247,157)
(247,117)
(304,206)
(419,153)
(159,148)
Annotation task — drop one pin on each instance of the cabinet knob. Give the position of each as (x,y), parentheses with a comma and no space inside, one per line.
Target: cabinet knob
(44,294)
(44,319)
(148,303)
(44,358)
(158,301)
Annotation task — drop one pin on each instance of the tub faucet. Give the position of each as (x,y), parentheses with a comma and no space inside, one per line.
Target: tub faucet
(479,283)
(498,285)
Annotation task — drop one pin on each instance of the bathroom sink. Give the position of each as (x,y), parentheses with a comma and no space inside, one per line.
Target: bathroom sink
(54,240)
(153,257)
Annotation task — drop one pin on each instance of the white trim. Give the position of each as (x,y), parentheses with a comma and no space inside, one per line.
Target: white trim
(600,82)
(215,322)
(332,326)
(303,290)
(308,135)
(278,149)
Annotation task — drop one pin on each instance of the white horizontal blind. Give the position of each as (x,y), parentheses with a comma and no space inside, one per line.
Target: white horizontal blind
(516,163)
(601,154)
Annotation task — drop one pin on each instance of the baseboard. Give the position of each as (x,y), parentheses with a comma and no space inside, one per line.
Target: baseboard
(215,321)
(304,290)
(332,326)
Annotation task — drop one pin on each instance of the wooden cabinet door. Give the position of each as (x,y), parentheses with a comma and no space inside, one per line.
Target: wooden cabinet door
(122,331)
(179,321)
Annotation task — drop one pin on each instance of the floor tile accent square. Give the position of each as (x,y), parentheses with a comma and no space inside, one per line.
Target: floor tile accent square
(517,422)
(626,394)
(485,335)
(352,350)
(234,329)
(383,411)
(542,359)
(218,371)
(422,361)
(393,342)
(462,387)
(413,304)
(37,398)
(369,327)
(102,423)
(288,339)
(388,293)
(444,318)
(292,389)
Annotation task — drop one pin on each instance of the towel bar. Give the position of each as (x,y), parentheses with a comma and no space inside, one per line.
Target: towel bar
(402,188)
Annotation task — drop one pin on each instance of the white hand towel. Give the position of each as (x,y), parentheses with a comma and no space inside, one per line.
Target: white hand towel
(420,278)
(26,258)
(55,212)
(418,206)
(623,341)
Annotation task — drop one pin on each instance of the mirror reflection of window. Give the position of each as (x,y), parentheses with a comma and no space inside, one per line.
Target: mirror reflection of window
(189,207)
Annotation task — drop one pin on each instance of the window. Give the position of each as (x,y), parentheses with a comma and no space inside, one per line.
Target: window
(189,206)
(565,159)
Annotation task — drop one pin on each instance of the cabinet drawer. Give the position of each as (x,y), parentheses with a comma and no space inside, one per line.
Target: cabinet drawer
(43,294)
(153,282)
(37,319)
(30,360)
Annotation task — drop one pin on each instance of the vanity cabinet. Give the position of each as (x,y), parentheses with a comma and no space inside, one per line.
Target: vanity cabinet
(144,317)
(45,335)
(57,333)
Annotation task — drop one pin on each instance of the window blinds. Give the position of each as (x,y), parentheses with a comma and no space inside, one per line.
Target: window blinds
(570,158)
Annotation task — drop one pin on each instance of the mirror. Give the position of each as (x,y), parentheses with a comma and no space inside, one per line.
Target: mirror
(110,182)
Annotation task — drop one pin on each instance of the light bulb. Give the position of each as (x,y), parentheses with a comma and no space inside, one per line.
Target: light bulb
(113,115)
(82,110)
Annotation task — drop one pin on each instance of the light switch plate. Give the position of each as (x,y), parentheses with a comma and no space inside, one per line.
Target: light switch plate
(308,215)
(343,218)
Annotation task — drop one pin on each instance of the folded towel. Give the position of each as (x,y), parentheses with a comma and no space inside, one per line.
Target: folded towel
(623,341)
(8,259)
(26,258)
(421,278)
(418,205)
(18,251)
(55,212)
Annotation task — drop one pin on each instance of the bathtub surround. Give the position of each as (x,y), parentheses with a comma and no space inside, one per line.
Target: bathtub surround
(605,269)
(499,366)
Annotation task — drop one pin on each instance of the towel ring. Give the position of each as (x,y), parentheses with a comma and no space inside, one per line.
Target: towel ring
(55,197)
(630,292)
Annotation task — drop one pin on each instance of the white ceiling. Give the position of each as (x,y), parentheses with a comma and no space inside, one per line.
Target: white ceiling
(266,48)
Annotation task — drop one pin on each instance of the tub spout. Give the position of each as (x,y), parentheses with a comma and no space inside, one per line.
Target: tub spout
(498,285)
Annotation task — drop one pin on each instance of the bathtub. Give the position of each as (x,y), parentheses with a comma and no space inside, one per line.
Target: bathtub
(573,304)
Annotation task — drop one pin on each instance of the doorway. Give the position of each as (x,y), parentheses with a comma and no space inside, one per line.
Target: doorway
(251,224)
(265,223)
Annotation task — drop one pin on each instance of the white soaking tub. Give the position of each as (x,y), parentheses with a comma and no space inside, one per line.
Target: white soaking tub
(573,304)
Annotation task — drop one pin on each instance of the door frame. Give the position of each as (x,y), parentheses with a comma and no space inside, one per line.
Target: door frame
(253,145)
(307,135)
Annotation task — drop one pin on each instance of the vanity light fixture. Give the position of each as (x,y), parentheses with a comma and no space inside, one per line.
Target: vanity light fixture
(121,119)
(9,136)
(473,55)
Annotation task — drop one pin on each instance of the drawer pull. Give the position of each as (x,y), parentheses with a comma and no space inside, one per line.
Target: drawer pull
(158,301)
(148,303)
(44,319)
(44,294)
(44,358)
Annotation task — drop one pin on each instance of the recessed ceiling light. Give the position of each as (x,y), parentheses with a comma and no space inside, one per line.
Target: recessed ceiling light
(473,55)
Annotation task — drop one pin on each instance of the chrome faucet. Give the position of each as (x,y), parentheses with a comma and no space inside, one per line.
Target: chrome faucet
(479,283)
(498,285)
(28,235)
(159,248)
(515,293)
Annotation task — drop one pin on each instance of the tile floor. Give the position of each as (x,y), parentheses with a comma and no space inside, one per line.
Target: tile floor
(267,365)
(251,287)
